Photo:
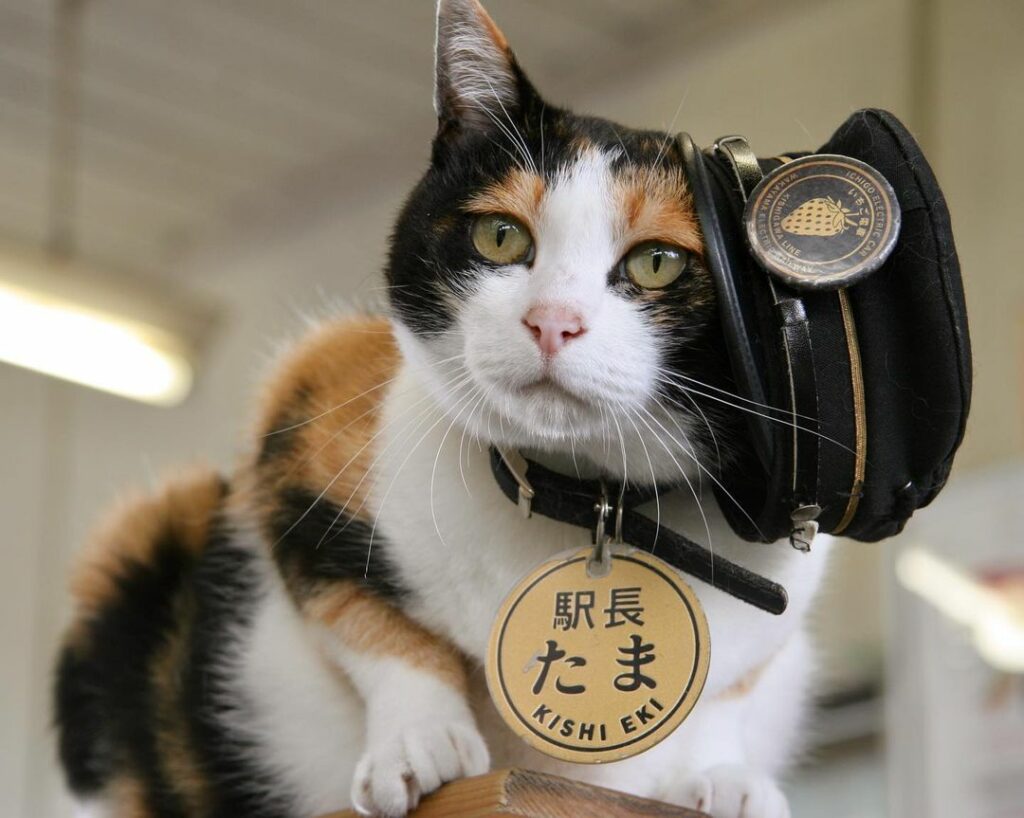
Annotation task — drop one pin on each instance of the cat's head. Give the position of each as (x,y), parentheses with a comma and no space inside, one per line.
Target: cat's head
(546,273)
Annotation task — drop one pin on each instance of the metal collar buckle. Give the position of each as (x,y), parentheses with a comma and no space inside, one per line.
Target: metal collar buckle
(517,466)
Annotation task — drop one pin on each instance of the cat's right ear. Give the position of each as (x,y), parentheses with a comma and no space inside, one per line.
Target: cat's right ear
(478,84)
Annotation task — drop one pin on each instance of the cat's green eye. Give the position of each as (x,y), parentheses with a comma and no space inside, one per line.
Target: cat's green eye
(502,239)
(654,264)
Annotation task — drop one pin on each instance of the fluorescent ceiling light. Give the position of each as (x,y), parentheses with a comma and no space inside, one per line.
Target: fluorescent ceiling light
(996,623)
(118,335)
(72,342)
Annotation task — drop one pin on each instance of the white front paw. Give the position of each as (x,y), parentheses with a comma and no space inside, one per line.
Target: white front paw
(395,772)
(732,791)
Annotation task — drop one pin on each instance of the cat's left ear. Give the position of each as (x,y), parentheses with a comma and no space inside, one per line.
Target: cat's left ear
(478,81)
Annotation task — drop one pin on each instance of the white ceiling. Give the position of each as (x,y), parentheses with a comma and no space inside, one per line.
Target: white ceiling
(195,113)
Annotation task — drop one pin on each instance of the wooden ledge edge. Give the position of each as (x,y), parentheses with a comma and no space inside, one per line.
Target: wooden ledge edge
(534,795)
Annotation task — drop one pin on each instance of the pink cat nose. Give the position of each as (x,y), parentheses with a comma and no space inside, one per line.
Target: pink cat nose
(553,326)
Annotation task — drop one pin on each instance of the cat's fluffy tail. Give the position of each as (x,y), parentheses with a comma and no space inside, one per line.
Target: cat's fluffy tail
(130,586)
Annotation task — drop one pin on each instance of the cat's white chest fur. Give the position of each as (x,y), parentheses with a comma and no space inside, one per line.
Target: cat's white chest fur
(460,545)
(454,540)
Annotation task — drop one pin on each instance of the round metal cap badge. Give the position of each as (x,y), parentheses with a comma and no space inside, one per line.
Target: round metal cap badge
(822,221)
(597,668)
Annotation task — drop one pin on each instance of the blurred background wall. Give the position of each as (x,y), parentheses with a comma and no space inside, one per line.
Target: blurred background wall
(249,155)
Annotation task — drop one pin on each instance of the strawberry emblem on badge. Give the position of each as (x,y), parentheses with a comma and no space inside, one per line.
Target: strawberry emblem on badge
(822,216)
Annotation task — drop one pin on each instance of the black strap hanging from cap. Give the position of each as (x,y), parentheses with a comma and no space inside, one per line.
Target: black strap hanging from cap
(713,212)
(798,354)
(740,156)
(539,490)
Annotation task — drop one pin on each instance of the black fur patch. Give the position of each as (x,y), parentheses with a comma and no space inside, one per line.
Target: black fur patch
(280,439)
(85,747)
(315,541)
(227,591)
(104,696)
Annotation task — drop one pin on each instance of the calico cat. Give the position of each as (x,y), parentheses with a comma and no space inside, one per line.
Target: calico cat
(307,634)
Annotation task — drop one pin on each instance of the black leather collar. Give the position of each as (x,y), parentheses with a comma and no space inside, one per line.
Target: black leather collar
(586,503)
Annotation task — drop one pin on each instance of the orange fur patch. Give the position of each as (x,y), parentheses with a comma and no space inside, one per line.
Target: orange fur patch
(324,404)
(492,28)
(330,390)
(655,205)
(365,623)
(174,748)
(519,194)
(181,512)
(128,797)
(743,686)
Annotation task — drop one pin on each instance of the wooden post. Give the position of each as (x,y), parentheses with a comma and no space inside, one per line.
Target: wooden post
(528,794)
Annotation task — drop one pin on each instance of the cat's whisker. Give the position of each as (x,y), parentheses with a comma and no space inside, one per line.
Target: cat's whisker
(455,383)
(733,395)
(572,451)
(462,439)
(691,448)
(683,409)
(320,449)
(707,424)
(406,432)
(482,408)
(519,148)
(513,126)
(713,479)
(453,376)
(688,446)
(543,159)
(463,405)
(335,479)
(409,429)
(330,532)
(492,408)
(327,412)
(490,411)
(508,134)
(516,160)
(669,130)
(622,144)
(654,478)
(607,434)
(460,384)
(689,483)
(387,286)
(622,447)
(736,406)
(345,403)
(391,485)
(521,159)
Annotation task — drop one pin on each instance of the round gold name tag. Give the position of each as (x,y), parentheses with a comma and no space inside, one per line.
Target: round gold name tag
(598,668)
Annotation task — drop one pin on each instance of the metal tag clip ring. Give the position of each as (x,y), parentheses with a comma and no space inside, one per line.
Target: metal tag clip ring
(600,562)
